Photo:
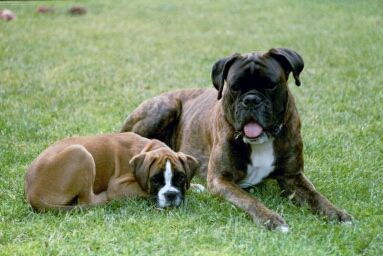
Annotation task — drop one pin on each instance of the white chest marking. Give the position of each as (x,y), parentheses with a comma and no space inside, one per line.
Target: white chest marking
(262,164)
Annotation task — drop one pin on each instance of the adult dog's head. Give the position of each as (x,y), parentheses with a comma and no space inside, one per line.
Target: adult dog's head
(256,93)
(164,174)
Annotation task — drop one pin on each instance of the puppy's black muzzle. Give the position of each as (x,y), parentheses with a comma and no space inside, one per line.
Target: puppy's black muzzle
(171,196)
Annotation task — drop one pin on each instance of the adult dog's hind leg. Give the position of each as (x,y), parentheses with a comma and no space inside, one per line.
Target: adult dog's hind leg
(155,118)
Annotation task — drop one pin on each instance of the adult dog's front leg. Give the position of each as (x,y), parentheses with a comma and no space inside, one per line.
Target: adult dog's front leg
(257,210)
(299,189)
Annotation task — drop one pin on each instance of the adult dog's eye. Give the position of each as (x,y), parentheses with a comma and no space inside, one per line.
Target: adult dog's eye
(271,88)
(269,84)
(235,87)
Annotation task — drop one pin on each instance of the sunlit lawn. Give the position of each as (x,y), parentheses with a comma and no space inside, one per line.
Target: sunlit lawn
(62,76)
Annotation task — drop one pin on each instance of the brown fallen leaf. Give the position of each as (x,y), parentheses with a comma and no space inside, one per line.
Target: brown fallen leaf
(7,15)
(77,10)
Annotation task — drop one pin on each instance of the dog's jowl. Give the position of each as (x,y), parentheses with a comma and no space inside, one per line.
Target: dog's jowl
(87,171)
(244,131)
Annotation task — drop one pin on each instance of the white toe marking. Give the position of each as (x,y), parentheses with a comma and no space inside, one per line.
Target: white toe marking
(349,222)
(197,188)
(284,228)
(291,196)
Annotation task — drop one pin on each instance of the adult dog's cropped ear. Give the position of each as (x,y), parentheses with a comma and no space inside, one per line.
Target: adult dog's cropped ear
(141,168)
(190,165)
(220,70)
(290,61)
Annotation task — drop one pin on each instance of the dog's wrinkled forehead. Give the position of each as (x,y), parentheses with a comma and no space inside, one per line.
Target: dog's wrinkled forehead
(255,70)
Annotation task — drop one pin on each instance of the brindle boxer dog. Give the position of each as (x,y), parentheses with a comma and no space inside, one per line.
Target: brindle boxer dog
(88,171)
(248,131)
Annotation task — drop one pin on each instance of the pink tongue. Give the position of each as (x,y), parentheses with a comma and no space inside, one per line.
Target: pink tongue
(252,130)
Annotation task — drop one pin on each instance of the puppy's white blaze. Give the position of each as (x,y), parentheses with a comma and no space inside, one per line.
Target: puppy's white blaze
(168,175)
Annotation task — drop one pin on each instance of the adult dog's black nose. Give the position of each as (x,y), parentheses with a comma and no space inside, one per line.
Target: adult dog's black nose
(170,196)
(251,100)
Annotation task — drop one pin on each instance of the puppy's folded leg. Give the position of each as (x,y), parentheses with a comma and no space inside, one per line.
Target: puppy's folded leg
(81,176)
(61,180)
(124,186)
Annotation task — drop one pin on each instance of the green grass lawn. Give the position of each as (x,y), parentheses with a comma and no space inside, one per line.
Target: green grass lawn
(62,76)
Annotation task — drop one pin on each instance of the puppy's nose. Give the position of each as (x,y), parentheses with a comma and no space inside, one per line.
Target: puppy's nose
(251,100)
(170,196)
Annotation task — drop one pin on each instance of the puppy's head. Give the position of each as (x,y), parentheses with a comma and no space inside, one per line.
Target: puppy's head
(164,175)
(256,93)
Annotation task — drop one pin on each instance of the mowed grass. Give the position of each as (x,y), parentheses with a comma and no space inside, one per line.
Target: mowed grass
(62,76)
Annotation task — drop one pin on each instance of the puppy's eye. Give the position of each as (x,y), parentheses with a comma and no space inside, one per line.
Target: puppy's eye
(156,182)
(180,178)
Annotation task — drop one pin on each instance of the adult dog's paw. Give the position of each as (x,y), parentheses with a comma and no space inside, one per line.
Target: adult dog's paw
(336,214)
(273,221)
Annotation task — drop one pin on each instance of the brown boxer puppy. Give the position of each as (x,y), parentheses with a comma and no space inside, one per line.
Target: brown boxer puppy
(247,132)
(88,171)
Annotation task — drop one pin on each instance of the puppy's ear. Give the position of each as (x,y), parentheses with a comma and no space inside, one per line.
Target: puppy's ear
(290,61)
(190,165)
(220,70)
(141,168)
